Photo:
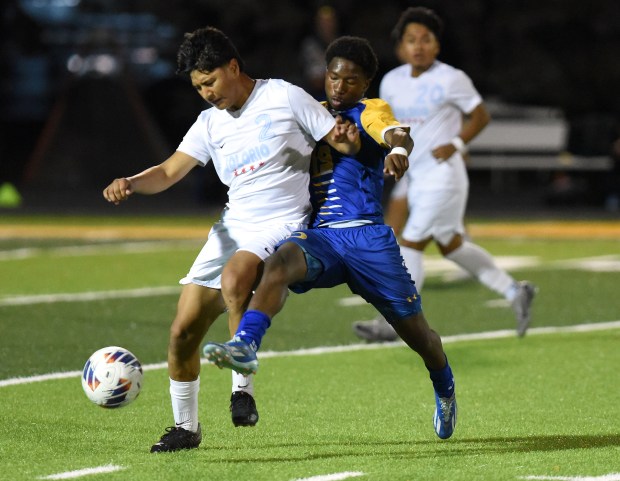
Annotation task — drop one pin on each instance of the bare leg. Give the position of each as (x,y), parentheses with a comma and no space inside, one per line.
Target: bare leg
(417,334)
(427,343)
(197,309)
(286,266)
(241,274)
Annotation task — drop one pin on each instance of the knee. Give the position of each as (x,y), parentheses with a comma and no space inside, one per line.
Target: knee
(453,244)
(183,343)
(237,284)
(417,334)
(417,245)
(275,270)
(186,333)
(180,334)
(286,266)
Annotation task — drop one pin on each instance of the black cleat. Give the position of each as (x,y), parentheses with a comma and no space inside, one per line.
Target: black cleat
(243,409)
(176,439)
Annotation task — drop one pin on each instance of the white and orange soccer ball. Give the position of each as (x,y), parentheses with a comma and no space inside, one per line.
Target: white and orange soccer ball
(112,377)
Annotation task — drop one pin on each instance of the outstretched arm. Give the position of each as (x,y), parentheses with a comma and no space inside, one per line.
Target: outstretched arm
(152,180)
(397,161)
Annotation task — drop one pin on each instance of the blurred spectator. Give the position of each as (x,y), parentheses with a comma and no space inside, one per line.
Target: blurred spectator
(312,56)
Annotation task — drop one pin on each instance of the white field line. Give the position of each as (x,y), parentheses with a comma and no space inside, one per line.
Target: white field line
(608,263)
(436,267)
(604,477)
(92,249)
(109,468)
(333,477)
(89,296)
(317,351)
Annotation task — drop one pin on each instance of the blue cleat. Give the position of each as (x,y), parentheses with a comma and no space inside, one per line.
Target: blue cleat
(445,415)
(234,354)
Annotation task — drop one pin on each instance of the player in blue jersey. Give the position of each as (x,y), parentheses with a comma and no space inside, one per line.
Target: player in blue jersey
(348,241)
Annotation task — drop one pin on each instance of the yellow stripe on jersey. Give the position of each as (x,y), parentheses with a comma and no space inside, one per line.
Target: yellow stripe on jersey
(376,117)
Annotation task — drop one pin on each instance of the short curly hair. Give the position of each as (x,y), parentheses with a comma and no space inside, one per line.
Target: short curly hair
(205,50)
(422,15)
(357,50)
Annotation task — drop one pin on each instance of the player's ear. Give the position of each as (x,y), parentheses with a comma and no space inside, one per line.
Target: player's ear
(233,67)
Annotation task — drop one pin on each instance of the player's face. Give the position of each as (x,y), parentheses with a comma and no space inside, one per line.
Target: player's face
(345,83)
(218,86)
(418,47)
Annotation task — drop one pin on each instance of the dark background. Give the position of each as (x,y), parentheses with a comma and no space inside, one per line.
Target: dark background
(88,91)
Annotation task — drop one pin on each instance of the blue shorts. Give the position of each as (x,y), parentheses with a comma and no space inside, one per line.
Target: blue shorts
(367,259)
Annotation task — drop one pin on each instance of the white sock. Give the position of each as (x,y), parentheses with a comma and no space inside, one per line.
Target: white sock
(184,396)
(242,383)
(479,263)
(413,261)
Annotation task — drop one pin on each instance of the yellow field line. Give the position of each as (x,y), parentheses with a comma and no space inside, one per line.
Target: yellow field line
(548,230)
(530,230)
(102,232)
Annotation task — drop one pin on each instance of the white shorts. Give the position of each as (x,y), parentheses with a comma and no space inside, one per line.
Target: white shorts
(400,188)
(437,214)
(227,238)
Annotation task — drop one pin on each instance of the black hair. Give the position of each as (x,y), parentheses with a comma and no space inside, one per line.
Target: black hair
(357,50)
(422,15)
(205,50)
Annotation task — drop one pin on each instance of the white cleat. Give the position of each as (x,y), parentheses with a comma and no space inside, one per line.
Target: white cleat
(377,330)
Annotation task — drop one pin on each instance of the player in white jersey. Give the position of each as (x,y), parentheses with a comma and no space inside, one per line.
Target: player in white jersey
(259,134)
(432,97)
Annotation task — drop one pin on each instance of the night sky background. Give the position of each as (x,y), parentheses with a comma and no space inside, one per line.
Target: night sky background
(131,110)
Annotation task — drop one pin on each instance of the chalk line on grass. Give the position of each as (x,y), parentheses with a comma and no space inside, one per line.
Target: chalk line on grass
(333,476)
(604,477)
(108,468)
(315,351)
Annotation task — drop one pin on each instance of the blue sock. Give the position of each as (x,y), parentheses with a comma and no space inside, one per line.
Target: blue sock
(443,380)
(252,328)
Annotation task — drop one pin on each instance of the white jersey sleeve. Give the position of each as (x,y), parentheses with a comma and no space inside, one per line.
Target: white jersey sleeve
(195,141)
(463,93)
(315,121)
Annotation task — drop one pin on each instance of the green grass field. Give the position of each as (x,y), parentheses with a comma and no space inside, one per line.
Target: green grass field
(542,407)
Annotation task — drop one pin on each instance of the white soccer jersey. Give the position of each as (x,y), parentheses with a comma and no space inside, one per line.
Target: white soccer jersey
(432,104)
(262,151)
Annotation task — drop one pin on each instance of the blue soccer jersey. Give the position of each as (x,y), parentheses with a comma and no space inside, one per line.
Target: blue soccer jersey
(349,188)
(348,242)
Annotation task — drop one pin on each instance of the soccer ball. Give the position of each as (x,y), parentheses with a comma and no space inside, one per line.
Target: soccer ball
(112,377)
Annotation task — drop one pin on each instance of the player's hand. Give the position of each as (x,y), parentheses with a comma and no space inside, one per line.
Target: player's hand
(396,165)
(118,190)
(346,137)
(443,152)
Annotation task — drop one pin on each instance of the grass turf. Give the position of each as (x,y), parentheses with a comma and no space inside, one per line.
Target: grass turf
(541,406)
(524,409)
